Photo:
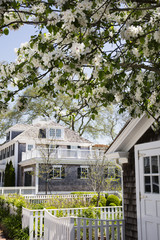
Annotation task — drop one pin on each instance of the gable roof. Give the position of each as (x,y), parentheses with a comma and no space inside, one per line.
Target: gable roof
(32,131)
(130,134)
(18,127)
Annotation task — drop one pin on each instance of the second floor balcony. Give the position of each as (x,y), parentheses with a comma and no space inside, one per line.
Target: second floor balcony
(59,153)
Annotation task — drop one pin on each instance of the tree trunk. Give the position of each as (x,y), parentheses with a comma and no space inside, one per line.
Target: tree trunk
(98,198)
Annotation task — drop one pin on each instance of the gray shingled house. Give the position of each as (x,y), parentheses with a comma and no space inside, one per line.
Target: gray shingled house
(32,148)
(137,147)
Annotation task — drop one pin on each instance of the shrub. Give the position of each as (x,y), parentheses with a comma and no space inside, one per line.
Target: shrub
(106,195)
(112,205)
(113,199)
(90,213)
(102,201)
(13,227)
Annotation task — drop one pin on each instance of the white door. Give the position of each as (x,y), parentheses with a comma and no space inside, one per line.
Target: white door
(148,190)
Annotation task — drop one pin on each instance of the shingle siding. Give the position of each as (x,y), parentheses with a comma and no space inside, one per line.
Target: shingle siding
(69,183)
(130,211)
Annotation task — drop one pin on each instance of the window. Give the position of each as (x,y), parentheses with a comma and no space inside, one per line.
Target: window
(8,136)
(42,133)
(52,132)
(55,133)
(58,172)
(151,174)
(82,172)
(30,147)
(12,150)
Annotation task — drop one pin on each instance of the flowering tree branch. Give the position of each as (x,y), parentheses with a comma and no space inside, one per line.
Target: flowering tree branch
(101,51)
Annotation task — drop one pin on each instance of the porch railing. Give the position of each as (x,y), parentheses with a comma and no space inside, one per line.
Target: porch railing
(62,153)
(18,190)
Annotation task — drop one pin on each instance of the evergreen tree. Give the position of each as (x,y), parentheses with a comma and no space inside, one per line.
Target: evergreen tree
(9,178)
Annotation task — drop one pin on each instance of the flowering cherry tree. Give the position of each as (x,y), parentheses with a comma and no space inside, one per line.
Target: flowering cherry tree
(101,51)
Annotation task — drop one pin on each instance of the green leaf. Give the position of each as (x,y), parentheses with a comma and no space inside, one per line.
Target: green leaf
(6,31)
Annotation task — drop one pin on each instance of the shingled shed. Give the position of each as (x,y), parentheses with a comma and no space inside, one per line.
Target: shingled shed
(137,147)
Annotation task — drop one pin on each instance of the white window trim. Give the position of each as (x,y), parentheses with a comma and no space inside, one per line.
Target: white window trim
(57,166)
(55,128)
(28,169)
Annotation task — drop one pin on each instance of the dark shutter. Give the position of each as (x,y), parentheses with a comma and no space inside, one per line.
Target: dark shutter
(79,172)
(13,149)
(51,174)
(63,172)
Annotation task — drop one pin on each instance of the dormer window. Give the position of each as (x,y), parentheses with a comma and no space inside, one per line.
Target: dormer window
(30,147)
(8,136)
(55,133)
(42,133)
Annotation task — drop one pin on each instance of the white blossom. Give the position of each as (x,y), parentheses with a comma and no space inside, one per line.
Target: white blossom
(77,49)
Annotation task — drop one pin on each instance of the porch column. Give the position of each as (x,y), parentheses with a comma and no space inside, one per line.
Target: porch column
(36,177)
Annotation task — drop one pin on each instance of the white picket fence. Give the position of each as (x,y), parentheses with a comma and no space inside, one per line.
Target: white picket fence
(37,199)
(34,219)
(18,190)
(71,228)
(58,228)
(105,212)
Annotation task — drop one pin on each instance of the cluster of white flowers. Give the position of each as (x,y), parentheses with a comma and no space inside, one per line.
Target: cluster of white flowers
(40,8)
(53,18)
(138,94)
(77,49)
(131,32)
(68,17)
(157,36)
(97,60)
(135,52)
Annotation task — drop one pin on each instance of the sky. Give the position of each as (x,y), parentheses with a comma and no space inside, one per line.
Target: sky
(13,40)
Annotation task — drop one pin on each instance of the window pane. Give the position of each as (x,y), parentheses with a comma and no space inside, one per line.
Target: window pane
(155,184)
(147,183)
(146,165)
(57,172)
(30,147)
(58,133)
(42,133)
(84,172)
(154,161)
(52,132)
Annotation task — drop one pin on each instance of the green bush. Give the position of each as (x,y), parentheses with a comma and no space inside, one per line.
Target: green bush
(102,201)
(12,223)
(13,228)
(112,205)
(90,213)
(113,199)
(106,195)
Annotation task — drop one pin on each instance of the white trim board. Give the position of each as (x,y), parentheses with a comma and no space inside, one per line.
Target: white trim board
(131,134)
